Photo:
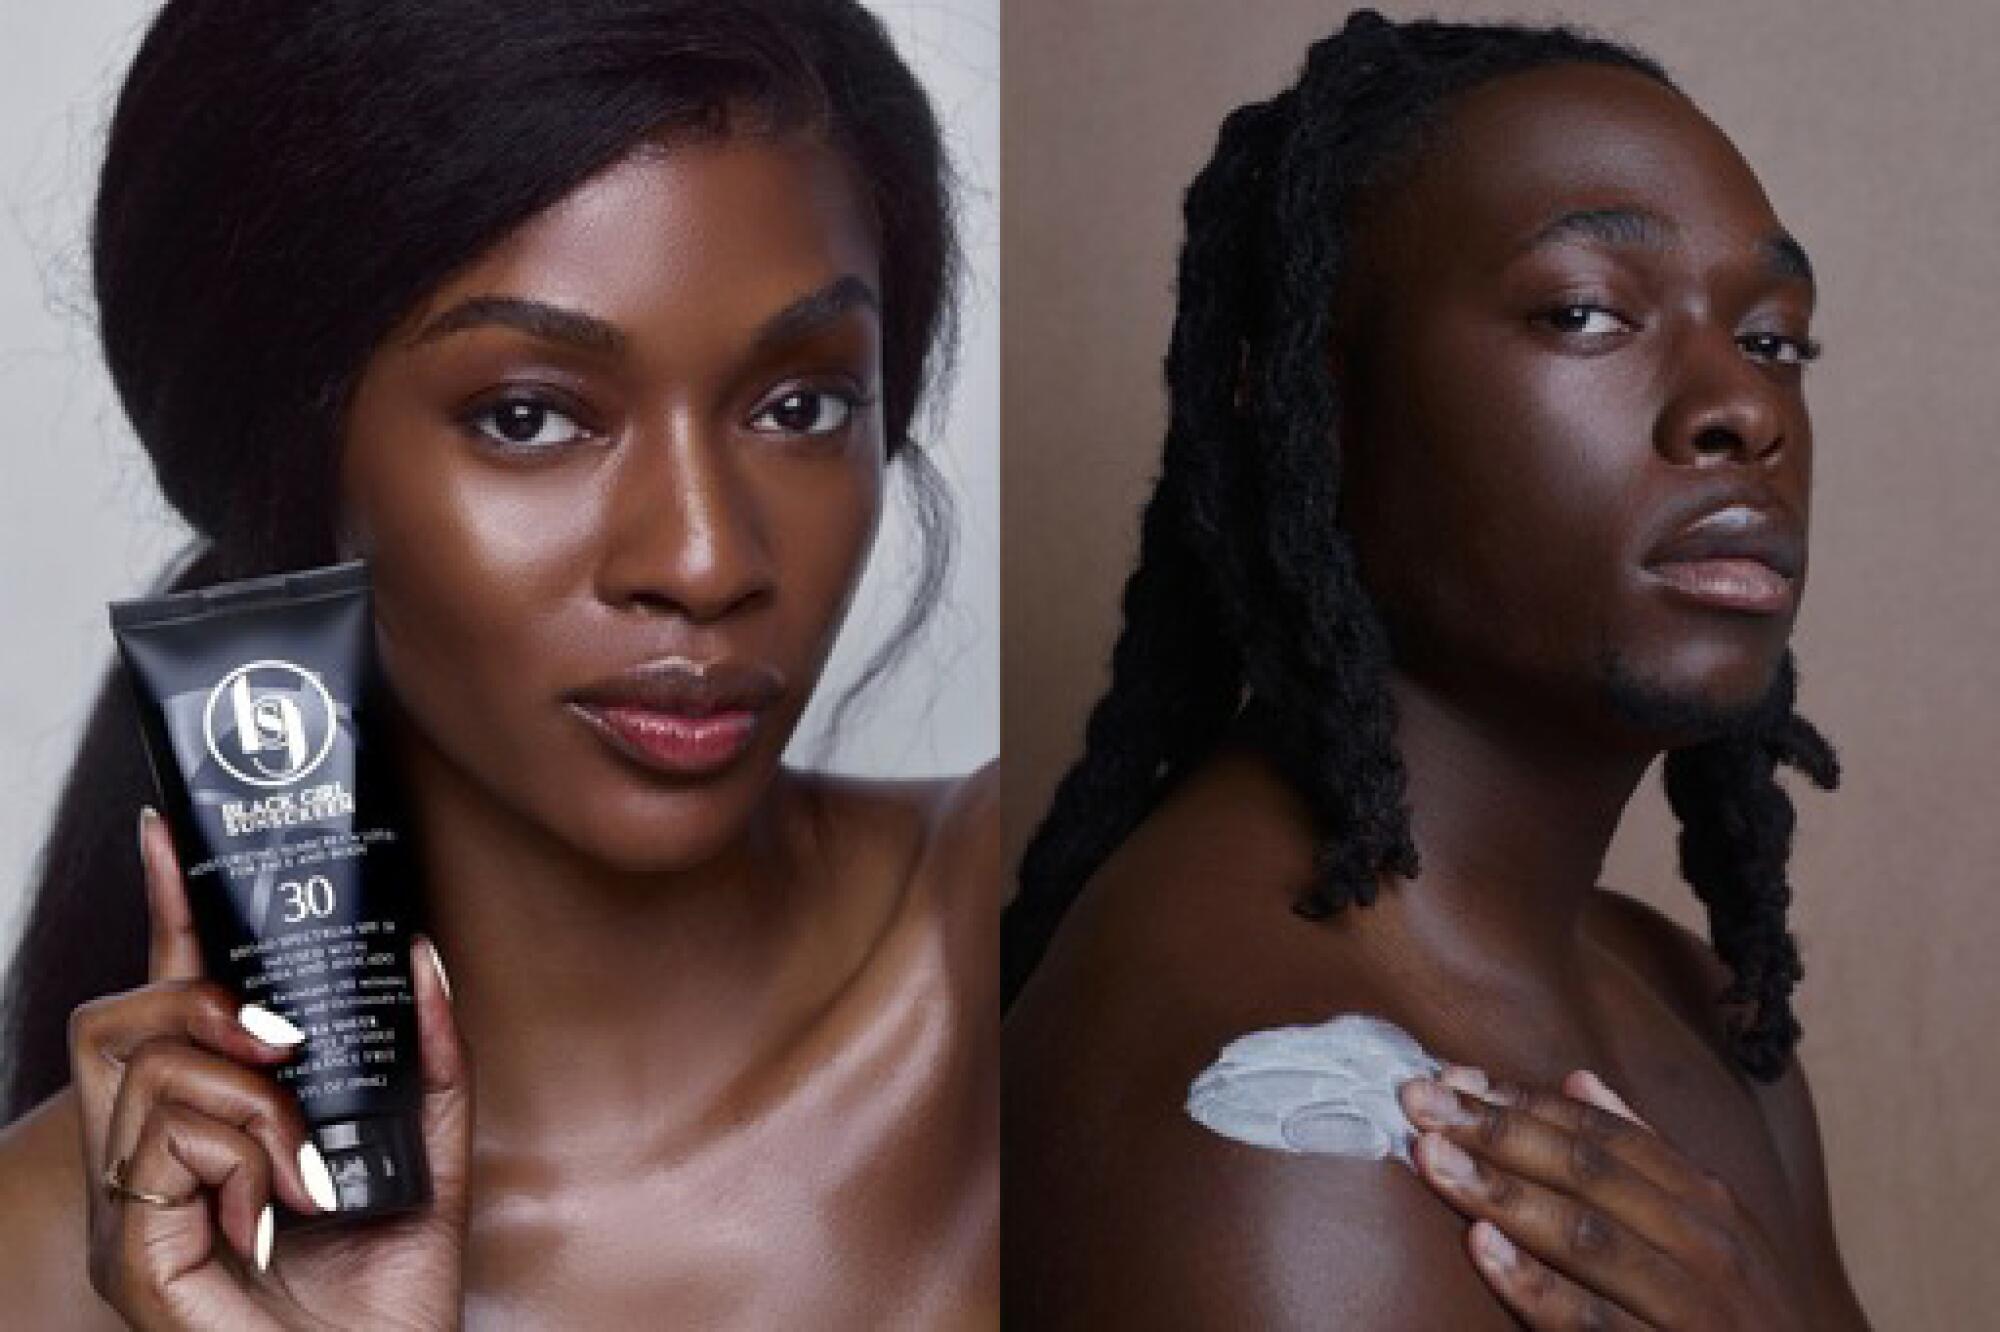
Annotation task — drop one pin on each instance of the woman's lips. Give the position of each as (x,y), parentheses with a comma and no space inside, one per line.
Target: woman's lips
(676,744)
(678,716)
(1728,584)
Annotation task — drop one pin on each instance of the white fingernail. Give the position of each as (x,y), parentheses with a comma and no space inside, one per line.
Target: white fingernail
(266,1232)
(268,1027)
(437,963)
(319,1182)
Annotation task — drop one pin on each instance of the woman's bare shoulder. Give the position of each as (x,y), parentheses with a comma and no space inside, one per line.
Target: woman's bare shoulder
(43,1281)
(942,834)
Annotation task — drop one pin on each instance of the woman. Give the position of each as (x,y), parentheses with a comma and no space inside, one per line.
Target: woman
(593,328)
(1485,484)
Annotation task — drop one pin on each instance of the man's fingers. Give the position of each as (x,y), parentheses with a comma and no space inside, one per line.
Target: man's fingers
(1541,1297)
(1586,1086)
(1584,1165)
(1624,1134)
(175,953)
(1576,1237)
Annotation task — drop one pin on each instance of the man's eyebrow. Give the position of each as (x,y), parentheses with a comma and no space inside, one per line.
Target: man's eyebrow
(1608,226)
(814,311)
(1781,256)
(1785,258)
(551,323)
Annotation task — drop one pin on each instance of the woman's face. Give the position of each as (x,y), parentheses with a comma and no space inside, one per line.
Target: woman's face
(617,480)
(1577,446)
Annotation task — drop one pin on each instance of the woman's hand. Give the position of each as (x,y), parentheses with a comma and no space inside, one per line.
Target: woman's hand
(1583,1216)
(188,1142)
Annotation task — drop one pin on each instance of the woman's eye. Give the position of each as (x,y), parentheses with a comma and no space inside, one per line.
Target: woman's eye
(1587,320)
(805,412)
(1779,348)
(524,423)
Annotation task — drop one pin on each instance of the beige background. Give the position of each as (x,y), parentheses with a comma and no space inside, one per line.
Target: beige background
(1876,136)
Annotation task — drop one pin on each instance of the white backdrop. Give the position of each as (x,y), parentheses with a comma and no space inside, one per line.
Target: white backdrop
(81,522)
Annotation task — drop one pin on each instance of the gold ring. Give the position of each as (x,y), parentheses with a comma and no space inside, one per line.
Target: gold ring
(118,1189)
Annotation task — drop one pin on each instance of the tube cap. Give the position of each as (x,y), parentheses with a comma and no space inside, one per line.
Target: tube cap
(378,1164)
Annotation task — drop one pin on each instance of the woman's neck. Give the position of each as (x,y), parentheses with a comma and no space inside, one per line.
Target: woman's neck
(613,1009)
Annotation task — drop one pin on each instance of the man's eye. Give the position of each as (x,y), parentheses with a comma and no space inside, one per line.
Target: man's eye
(1779,348)
(1588,320)
(524,423)
(805,412)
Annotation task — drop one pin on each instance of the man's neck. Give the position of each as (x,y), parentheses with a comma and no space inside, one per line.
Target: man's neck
(1512,818)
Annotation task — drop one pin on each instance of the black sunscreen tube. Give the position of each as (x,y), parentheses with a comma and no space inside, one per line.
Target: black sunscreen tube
(256,698)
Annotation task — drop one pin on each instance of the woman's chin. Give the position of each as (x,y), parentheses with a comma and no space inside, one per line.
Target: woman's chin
(665,830)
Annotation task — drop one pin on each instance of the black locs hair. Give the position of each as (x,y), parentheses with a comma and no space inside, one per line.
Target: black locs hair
(1245,590)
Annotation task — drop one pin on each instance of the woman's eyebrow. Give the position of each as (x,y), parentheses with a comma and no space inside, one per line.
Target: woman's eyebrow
(814,311)
(551,323)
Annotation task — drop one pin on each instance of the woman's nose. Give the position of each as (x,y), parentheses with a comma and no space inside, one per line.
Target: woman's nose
(686,536)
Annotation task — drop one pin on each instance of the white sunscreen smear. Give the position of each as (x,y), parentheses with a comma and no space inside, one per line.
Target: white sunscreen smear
(1328,1090)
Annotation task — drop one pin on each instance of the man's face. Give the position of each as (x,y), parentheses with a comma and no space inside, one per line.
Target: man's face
(1576,449)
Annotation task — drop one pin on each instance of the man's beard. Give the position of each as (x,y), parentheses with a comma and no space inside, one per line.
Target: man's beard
(1688,715)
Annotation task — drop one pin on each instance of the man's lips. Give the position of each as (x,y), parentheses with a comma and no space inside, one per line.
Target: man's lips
(1740,557)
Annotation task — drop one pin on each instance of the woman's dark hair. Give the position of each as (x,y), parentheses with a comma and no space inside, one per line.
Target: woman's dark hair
(283,185)
(1247,608)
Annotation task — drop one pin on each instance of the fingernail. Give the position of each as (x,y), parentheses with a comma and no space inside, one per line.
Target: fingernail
(146,815)
(268,1027)
(319,1182)
(1469,1080)
(437,963)
(1494,1247)
(266,1232)
(1433,1105)
(1447,1161)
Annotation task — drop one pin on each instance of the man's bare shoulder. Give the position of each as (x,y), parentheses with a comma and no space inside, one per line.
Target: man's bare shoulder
(1676,964)
(43,1282)
(1687,974)
(1123,1211)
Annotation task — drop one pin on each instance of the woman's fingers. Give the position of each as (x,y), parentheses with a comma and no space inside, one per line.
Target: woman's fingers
(1540,1296)
(447,1079)
(1575,1237)
(172,1073)
(105,1033)
(174,952)
(188,1178)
